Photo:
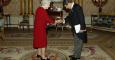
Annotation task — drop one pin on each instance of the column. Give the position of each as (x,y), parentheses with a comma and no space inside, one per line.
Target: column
(30,7)
(22,7)
(25,6)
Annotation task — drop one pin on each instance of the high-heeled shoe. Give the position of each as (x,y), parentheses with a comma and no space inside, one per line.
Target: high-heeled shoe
(38,56)
(45,59)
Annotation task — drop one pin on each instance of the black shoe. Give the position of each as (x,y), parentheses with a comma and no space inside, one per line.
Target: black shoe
(45,59)
(48,59)
(38,56)
(72,57)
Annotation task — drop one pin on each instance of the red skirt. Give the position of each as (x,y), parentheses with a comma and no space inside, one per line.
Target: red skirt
(40,39)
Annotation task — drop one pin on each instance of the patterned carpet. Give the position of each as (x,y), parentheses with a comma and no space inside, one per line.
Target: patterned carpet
(93,52)
(60,46)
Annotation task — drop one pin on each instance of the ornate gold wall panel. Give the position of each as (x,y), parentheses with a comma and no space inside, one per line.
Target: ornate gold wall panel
(15,8)
(30,7)
(26,7)
(22,7)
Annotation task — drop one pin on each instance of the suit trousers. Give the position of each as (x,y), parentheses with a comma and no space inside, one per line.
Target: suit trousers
(78,44)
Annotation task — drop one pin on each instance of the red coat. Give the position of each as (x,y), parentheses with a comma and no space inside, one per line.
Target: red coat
(40,24)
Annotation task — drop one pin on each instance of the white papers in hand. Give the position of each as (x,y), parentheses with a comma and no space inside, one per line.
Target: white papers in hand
(77,28)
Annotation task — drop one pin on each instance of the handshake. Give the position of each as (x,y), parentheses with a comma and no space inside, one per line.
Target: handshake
(59,21)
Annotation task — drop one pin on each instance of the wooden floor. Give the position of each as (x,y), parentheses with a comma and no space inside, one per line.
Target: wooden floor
(106,40)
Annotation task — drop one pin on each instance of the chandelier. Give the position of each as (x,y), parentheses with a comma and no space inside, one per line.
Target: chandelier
(99,4)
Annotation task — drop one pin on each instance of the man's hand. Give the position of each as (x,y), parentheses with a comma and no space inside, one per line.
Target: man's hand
(82,30)
(58,21)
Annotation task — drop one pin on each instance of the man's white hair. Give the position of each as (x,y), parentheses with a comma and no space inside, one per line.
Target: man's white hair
(43,2)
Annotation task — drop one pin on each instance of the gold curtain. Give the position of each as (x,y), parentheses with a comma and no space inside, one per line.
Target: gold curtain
(80,2)
(30,7)
(22,7)
(26,7)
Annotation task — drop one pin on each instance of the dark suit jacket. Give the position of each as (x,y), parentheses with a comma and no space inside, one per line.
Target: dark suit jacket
(76,16)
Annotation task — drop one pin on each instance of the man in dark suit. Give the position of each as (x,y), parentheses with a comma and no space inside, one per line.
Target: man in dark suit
(76,17)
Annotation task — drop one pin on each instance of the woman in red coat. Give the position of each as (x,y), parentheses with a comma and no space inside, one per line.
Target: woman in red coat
(40,24)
